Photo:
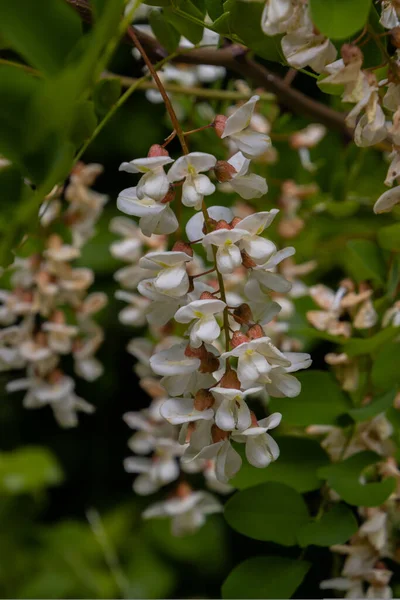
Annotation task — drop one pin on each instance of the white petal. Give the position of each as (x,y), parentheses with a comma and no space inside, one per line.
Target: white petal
(228,258)
(225,415)
(194,227)
(241,117)
(250,186)
(228,463)
(181,410)
(387,201)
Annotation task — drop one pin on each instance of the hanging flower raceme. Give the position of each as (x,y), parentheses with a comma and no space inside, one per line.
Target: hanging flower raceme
(210,358)
(48,313)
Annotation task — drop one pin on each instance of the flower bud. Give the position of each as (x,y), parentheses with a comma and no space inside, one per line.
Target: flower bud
(54,241)
(395,37)
(169,196)
(58,317)
(207,296)
(183,490)
(230,380)
(222,224)
(218,435)
(255,331)
(247,261)
(219,124)
(224,171)
(209,364)
(254,422)
(351,53)
(239,338)
(55,376)
(181,246)
(157,150)
(235,221)
(200,353)
(203,400)
(243,314)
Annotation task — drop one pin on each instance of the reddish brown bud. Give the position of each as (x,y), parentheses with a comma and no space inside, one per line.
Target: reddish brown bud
(218,435)
(169,196)
(206,296)
(55,376)
(157,150)
(243,314)
(235,221)
(58,317)
(247,261)
(183,490)
(350,53)
(224,171)
(239,338)
(395,37)
(219,124)
(200,353)
(41,339)
(54,241)
(209,364)
(255,331)
(34,261)
(254,422)
(211,223)
(230,380)
(203,400)
(222,224)
(182,247)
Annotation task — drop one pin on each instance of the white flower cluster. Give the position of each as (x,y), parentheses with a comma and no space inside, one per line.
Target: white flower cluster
(211,353)
(375,116)
(46,313)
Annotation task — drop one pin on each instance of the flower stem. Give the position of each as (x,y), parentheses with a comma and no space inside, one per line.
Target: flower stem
(161,89)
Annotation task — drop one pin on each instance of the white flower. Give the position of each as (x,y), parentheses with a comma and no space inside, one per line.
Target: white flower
(201,446)
(256,358)
(266,276)
(206,327)
(250,143)
(389,18)
(162,308)
(182,410)
(248,186)
(257,247)
(195,185)
(172,278)
(194,227)
(154,217)
(371,128)
(187,513)
(174,361)
(275,16)
(154,183)
(233,412)
(304,48)
(387,201)
(155,472)
(228,254)
(261,448)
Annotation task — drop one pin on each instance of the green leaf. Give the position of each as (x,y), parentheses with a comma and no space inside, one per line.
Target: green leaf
(297,466)
(84,122)
(339,19)
(386,368)
(28,469)
(166,33)
(365,261)
(245,21)
(190,29)
(344,477)
(389,237)
(44,32)
(222,25)
(334,527)
(265,577)
(356,347)
(271,512)
(374,408)
(320,401)
(106,94)
(215,8)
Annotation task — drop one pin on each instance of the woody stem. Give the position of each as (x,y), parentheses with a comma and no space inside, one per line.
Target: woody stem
(167,101)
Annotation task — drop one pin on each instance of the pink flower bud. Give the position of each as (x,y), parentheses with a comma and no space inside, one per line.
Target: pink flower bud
(239,338)
(157,150)
(219,124)
(224,171)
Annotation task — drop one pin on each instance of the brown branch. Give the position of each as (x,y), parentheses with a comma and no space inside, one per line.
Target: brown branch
(234,58)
